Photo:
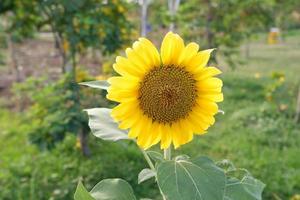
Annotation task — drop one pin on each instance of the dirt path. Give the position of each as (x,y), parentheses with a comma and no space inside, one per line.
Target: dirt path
(35,58)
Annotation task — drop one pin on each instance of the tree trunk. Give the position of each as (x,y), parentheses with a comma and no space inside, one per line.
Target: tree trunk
(209,18)
(58,38)
(144,8)
(13,59)
(173,7)
(83,139)
(60,47)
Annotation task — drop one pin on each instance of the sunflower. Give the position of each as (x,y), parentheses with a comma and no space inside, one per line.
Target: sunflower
(165,97)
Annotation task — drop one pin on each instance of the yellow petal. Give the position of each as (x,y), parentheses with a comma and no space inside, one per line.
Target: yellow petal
(180,134)
(156,132)
(199,125)
(191,124)
(151,51)
(204,117)
(209,83)
(137,128)
(124,67)
(187,125)
(199,61)
(177,49)
(123,110)
(121,95)
(176,135)
(188,52)
(141,52)
(200,133)
(152,137)
(207,106)
(144,135)
(216,97)
(136,59)
(166,48)
(130,119)
(129,83)
(171,49)
(207,72)
(188,131)
(133,132)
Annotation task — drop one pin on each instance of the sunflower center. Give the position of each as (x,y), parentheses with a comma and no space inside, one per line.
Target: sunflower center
(167,94)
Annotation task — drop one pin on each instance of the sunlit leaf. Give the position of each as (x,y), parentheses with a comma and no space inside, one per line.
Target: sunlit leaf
(96,84)
(145,174)
(103,126)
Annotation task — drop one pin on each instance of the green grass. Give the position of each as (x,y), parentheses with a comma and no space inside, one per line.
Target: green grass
(253,133)
(265,58)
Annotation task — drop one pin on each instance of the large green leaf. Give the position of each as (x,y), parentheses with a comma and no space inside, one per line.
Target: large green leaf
(248,188)
(103,126)
(81,193)
(197,179)
(113,189)
(96,84)
(107,189)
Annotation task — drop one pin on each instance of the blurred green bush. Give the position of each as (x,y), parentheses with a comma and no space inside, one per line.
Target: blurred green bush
(56,109)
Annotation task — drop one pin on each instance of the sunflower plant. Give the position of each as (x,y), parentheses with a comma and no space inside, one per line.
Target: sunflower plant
(166,98)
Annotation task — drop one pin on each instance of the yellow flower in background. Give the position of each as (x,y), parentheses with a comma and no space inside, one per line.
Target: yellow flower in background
(102,77)
(281,79)
(296,197)
(165,97)
(66,45)
(82,75)
(283,107)
(257,75)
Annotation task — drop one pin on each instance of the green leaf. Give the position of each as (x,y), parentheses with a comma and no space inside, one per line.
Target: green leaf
(96,84)
(145,174)
(81,193)
(112,189)
(248,188)
(197,179)
(103,126)
(156,156)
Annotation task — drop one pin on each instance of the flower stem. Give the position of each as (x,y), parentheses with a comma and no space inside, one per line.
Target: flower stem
(167,156)
(148,160)
(167,153)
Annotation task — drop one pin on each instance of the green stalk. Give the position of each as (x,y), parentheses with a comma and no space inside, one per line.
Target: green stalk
(167,153)
(148,160)
(167,156)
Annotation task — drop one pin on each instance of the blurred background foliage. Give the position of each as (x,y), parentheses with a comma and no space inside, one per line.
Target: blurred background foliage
(48,46)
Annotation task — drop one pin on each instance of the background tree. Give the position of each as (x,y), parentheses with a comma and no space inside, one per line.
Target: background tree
(76,26)
(223,24)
